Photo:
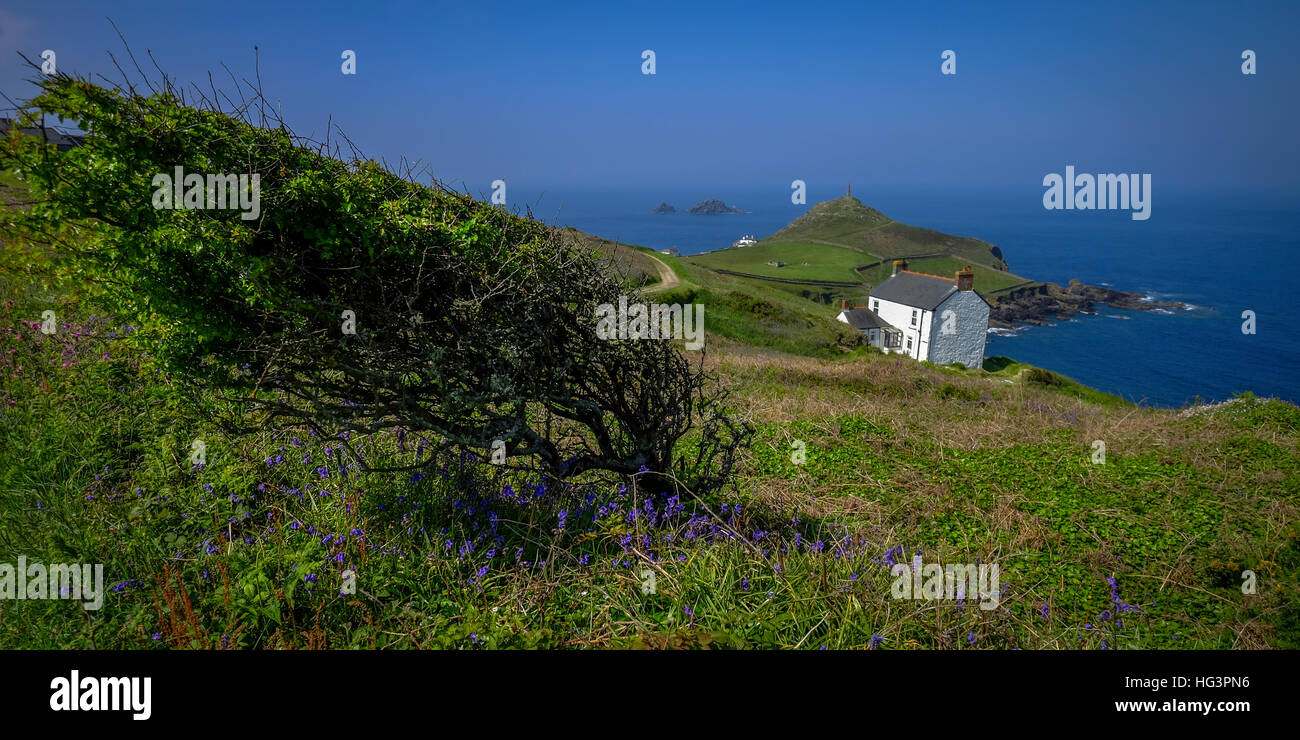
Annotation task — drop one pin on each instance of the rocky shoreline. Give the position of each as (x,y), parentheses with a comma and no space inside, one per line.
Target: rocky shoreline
(1043,303)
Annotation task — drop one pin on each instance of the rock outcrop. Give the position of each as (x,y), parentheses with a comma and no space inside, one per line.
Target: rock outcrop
(1042,303)
(713,207)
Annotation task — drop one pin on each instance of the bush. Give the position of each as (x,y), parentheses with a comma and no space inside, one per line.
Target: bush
(948,390)
(998,363)
(1044,377)
(470,323)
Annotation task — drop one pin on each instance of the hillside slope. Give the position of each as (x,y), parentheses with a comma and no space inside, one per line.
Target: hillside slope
(847,222)
(842,248)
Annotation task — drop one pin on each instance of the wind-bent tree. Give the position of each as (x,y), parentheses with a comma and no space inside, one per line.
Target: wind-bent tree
(470,323)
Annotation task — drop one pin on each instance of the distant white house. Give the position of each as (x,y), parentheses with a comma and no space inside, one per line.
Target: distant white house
(747,240)
(925,317)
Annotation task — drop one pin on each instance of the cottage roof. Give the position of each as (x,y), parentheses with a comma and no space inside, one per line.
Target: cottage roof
(915,289)
(64,141)
(863,318)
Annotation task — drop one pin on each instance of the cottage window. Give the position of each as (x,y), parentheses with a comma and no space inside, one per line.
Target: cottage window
(914,317)
(875,306)
(909,344)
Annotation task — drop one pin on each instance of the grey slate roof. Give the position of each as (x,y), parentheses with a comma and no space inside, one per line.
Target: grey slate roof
(918,291)
(62,140)
(864,318)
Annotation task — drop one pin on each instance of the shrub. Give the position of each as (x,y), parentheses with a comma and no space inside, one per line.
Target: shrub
(998,363)
(1044,377)
(471,323)
(948,390)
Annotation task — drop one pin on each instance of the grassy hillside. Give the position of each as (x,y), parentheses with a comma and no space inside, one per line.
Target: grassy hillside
(846,222)
(843,242)
(803,261)
(1142,549)
(635,264)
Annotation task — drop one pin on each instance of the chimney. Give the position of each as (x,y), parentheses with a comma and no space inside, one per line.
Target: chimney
(844,305)
(965,279)
(899,265)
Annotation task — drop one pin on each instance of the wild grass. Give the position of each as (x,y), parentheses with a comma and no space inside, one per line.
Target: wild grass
(250,549)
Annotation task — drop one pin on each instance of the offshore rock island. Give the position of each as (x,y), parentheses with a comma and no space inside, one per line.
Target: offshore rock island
(713,207)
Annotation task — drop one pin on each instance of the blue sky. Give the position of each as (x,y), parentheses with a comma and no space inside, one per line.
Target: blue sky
(551,94)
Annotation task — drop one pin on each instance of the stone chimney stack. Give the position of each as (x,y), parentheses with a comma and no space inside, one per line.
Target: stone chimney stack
(965,279)
(899,265)
(844,305)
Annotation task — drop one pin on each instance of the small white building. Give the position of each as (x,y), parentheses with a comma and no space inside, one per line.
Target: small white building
(926,317)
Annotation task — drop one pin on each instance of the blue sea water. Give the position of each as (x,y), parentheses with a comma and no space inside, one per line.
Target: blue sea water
(1221,253)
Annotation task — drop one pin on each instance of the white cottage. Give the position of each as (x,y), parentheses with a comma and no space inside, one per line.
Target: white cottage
(925,317)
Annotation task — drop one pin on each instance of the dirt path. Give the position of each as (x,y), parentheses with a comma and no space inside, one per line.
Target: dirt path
(667,278)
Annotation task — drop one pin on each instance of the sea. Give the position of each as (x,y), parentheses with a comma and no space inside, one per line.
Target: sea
(1223,254)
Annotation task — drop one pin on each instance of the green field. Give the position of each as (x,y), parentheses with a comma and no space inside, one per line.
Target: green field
(987,280)
(803,261)
(815,262)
